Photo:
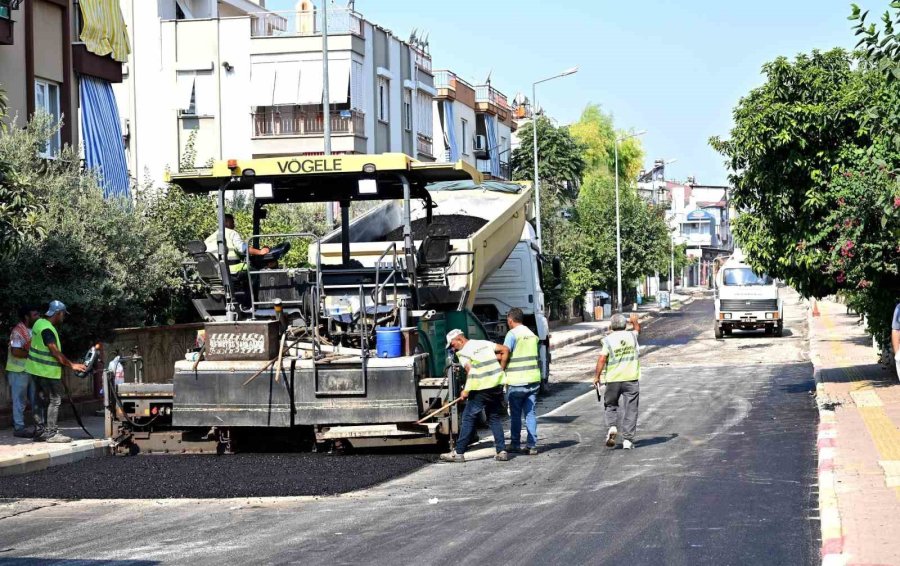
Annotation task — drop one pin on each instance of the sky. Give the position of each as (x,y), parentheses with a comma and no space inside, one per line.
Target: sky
(675,68)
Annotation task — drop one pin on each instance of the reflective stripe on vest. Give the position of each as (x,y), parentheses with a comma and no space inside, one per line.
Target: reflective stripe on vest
(40,361)
(523,367)
(485,371)
(235,263)
(622,359)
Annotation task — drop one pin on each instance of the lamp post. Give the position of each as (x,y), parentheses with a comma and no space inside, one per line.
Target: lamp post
(537,181)
(618,223)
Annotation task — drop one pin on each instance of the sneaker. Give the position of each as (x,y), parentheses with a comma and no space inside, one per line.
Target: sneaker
(502,456)
(531,451)
(611,436)
(452,457)
(627,444)
(23,433)
(59,438)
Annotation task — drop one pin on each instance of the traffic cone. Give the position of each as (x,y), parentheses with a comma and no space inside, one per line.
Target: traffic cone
(815,309)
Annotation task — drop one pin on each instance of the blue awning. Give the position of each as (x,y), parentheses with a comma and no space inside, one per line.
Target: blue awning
(101,135)
(493,144)
(450,130)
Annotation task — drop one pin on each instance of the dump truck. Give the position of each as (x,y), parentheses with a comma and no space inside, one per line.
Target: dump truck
(347,348)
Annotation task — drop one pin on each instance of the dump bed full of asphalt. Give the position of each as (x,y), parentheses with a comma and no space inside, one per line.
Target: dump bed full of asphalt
(459,226)
(206,476)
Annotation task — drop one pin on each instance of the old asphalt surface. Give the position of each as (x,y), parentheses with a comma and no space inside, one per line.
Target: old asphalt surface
(723,473)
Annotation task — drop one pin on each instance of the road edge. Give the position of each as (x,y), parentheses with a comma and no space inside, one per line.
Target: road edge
(56,456)
(832,534)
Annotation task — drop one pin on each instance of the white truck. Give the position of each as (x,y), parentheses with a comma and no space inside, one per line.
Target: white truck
(746,300)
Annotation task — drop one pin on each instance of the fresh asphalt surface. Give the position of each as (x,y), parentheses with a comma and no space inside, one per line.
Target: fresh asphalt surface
(723,473)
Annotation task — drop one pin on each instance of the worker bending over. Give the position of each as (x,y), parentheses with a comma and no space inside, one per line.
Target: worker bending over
(523,376)
(237,248)
(619,355)
(483,361)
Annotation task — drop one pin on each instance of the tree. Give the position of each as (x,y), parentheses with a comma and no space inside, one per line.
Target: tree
(560,158)
(596,132)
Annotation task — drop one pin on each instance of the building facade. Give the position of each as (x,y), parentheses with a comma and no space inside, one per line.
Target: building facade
(228,79)
(60,57)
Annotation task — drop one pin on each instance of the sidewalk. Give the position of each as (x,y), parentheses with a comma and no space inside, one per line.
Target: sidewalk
(20,455)
(858,442)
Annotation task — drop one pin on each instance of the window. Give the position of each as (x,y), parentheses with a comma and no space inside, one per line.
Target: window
(407,110)
(744,276)
(4,9)
(383,101)
(465,136)
(197,90)
(46,99)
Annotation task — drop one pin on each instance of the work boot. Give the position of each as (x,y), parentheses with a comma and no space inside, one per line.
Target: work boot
(611,436)
(59,438)
(23,433)
(453,457)
(627,444)
(502,456)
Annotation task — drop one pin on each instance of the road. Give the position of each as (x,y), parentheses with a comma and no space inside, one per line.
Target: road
(723,473)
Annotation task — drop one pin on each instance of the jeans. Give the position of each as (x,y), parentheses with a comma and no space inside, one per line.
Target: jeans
(23,392)
(491,401)
(51,392)
(522,398)
(630,391)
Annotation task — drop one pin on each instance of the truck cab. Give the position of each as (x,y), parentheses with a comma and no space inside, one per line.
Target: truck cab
(746,300)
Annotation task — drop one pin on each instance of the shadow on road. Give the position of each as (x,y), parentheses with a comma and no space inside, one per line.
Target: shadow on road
(562,419)
(641,442)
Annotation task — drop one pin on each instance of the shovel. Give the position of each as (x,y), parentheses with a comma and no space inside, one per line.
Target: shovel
(418,426)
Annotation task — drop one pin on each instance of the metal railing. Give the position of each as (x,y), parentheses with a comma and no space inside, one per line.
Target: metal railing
(424,145)
(302,122)
(445,79)
(341,21)
(487,93)
(423,60)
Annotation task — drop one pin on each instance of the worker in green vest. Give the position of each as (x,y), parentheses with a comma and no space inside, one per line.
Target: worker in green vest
(45,365)
(21,385)
(237,248)
(619,356)
(523,376)
(483,361)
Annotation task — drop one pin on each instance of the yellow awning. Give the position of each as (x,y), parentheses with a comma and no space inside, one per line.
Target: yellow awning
(104,30)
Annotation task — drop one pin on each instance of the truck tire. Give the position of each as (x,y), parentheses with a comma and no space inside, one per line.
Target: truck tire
(770,330)
(717,330)
(544,354)
(727,330)
(779,330)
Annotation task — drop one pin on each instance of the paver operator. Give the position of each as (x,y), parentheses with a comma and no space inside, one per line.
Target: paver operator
(45,365)
(523,376)
(20,383)
(237,248)
(619,352)
(483,361)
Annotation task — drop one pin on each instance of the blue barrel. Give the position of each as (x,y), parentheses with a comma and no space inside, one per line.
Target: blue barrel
(388,342)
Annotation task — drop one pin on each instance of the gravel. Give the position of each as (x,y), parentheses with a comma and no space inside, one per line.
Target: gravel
(461,226)
(202,476)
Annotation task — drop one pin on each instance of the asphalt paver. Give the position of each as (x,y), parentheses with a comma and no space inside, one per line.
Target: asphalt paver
(204,476)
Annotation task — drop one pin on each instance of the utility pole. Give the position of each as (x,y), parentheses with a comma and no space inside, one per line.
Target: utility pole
(326,106)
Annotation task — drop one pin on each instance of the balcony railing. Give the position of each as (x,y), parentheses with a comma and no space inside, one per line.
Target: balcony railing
(424,145)
(341,21)
(299,122)
(423,60)
(484,167)
(490,95)
(445,79)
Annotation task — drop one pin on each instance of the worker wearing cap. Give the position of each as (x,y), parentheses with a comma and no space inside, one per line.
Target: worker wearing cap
(20,383)
(45,365)
(523,376)
(237,248)
(619,356)
(483,362)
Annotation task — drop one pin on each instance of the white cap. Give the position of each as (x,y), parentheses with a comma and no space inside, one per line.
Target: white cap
(455,333)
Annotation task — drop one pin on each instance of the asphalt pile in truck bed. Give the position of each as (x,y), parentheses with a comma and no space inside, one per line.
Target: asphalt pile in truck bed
(460,226)
(207,476)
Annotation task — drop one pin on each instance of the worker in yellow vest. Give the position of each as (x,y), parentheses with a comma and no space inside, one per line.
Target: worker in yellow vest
(237,248)
(20,384)
(45,365)
(523,376)
(483,361)
(619,352)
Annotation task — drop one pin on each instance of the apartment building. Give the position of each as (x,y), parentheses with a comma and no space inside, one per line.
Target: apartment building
(700,216)
(240,81)
(61,57)
(475,124)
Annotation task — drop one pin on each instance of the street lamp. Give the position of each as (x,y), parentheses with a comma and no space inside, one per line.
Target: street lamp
(618,223)
(537,181)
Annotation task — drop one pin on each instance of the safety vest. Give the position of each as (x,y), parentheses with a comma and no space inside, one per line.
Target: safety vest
(523,367)
(485,372)
(41,362)
(621,348)
(235,263)
(14,364)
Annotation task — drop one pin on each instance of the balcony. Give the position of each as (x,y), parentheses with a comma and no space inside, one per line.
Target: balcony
(300,122)
(490,100)
(424,145)
(423,60)
(484,167)
(449,86)
(341,21)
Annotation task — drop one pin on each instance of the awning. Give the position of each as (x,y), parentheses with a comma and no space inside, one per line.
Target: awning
(184,88)
(338,80)
(262,84)
(287,83)
(311,82)
(104,30)
(101,134)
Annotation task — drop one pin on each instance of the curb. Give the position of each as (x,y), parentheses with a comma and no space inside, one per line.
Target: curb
(832,550)
(56,456)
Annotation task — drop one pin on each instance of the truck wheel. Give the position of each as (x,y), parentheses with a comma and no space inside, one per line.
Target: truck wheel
(544,355)
(727,330)
(770,330)
(718,331)
(779,330)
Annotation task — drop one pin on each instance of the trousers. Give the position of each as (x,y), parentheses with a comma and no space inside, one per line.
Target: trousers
(491,401)
(629,391)
(50,392)
(22,389)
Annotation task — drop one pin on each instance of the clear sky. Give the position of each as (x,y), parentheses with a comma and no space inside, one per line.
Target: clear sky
(675,68)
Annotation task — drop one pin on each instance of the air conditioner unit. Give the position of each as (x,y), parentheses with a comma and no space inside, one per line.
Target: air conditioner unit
(481,143)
